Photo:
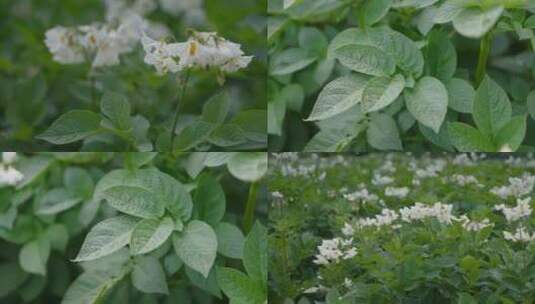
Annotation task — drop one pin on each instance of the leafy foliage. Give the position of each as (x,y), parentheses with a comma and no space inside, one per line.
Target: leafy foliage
(439,69)
(85,227)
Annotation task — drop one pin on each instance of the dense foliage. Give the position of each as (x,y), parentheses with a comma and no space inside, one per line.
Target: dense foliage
(401,75)
(133,228)
(75,75)
(401,229)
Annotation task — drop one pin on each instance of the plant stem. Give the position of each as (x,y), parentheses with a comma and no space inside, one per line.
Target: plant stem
(177,109)
(250,207)
(484,50)
(92,81)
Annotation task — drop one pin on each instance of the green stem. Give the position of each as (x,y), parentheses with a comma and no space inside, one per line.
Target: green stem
(177,109)
(92,80)
(362,16)
(484,51)
(250,207)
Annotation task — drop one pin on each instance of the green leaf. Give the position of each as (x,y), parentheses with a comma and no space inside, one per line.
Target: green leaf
(58,236)
(79,182)
(441,57)
(531,104)
(448,11)
(164,191)
(465,298)
(12,278)
(150,234)
(215,110)
(381,92)
(276,112)
(72,126)
(511,135)
(192,135)
(134,201)
(116,108)
(34,255)
(428,102)
(255,253)
(405,52)
(376,10)
(56,201)
(492,109)
(138,159)
(253,123)
(32,168)
(474,22)
(460,95)
(208,284)
(338,96)
(148,275)
(89,287)
(441,139)
(248,166)
(227,135)
(366,59)
(383,134)
(210,201)
(468,139)
(414,3)
(313,40)
(240,288)
(197,246)
(230,240)
(290,61)
(106,237)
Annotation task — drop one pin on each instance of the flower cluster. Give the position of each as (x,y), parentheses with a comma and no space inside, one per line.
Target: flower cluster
(470,225)
(201,50)
(518,187)
(521,235)
(419,211)
(464,180)
(9,176)
(362,195)
(521,209)
(400,192)
(100,44)
(334,250)
(386,218)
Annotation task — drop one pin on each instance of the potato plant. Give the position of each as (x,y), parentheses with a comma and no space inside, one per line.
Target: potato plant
(399,228)
(401,75)
(87,227)
(132,75)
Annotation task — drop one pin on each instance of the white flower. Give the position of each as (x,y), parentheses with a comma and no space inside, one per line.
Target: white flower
(9,158)
(521,235)
(334,250)
(348,283)
(521,209)
(348,230)
(99,43)
(469,225)
(419,211)
(401,192)
(64,45)
(119,9)
(9,176)
(381,180)
(518,187)
(201,50)
(361,195)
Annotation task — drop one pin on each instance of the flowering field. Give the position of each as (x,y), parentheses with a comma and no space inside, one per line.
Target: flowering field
(80,228)
(399,228)
(132,75)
